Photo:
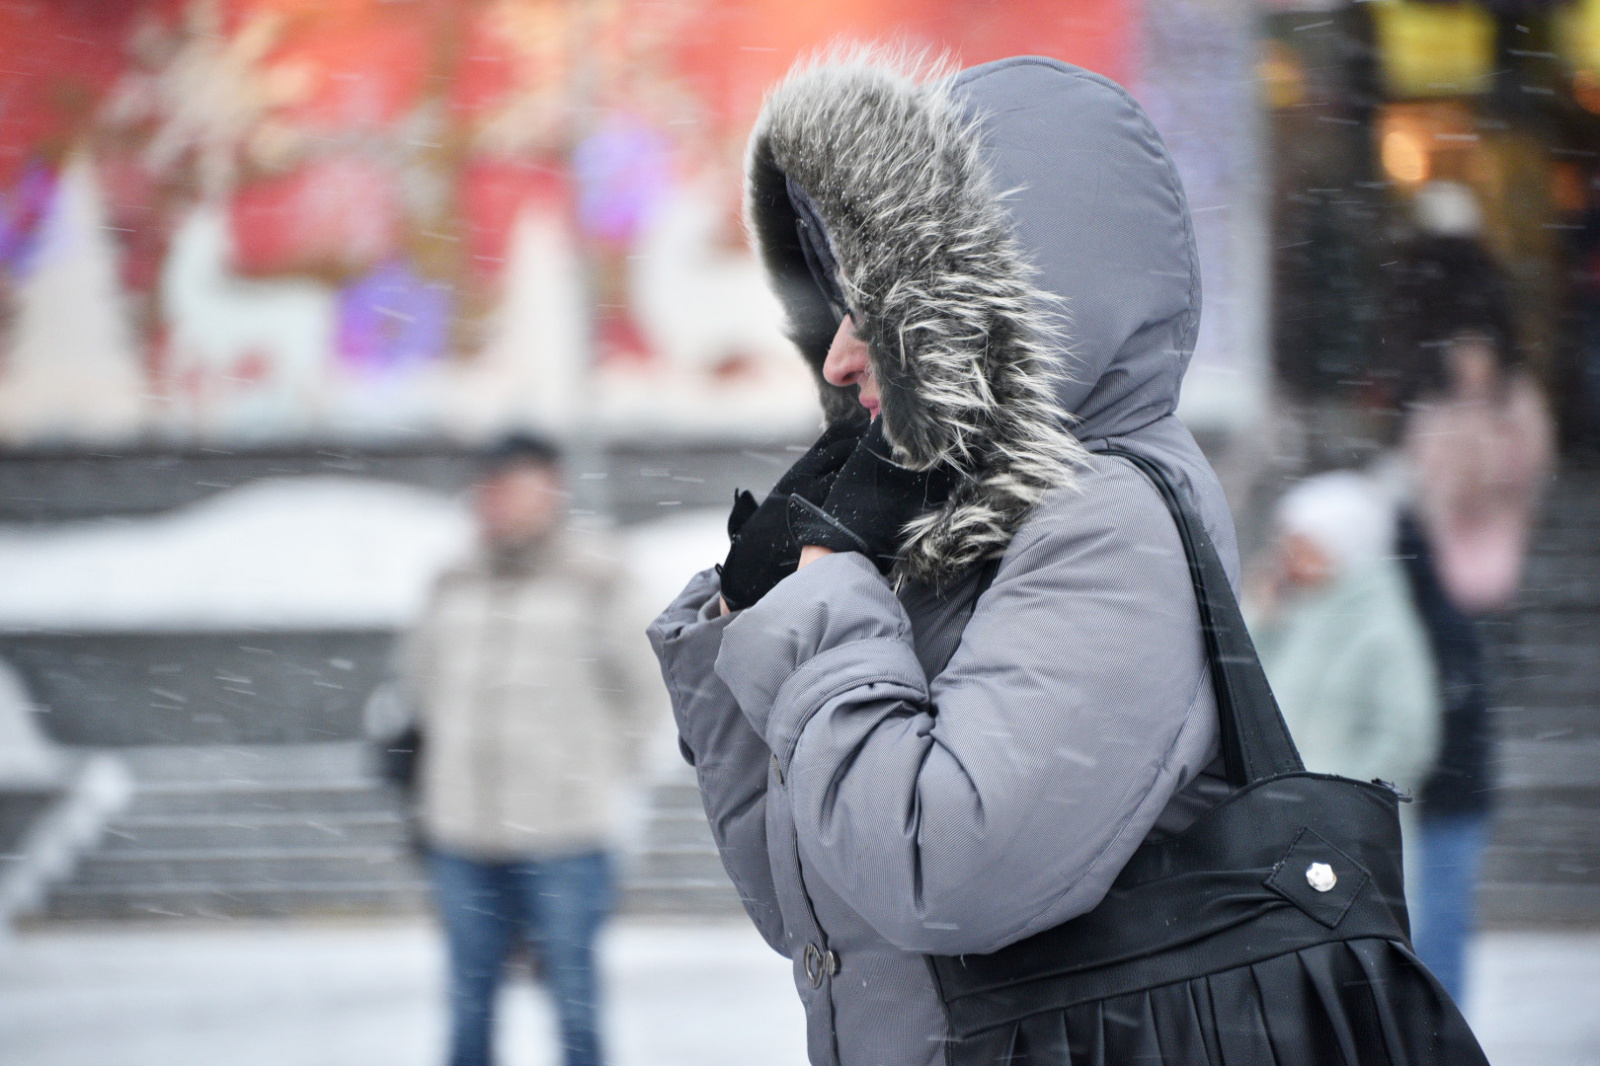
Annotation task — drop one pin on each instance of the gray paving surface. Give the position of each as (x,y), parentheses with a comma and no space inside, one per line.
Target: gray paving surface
(285,994)
(347,994)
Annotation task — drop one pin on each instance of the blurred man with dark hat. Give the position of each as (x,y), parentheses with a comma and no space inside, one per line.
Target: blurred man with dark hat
(528,705)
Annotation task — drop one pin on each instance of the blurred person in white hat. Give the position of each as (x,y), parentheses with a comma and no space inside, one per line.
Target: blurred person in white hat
(1341,643)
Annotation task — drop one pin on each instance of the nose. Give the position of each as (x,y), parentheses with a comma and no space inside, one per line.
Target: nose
(848,361)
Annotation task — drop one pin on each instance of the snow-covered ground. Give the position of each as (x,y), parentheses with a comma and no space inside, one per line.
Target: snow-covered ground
(678,995)
(352,995)
(291,553)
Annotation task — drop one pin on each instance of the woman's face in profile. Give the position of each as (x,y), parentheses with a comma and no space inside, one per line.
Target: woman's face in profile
(850,363)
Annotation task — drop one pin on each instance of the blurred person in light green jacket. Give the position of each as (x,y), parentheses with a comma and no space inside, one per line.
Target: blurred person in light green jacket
(1342,645)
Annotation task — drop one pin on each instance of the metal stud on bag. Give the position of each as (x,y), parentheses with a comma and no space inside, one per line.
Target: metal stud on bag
(1320,876)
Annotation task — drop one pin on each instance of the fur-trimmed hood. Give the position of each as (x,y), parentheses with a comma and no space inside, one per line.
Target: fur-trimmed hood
(1013,245)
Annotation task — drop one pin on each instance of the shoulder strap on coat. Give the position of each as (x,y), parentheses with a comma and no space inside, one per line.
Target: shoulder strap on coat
(1255,741)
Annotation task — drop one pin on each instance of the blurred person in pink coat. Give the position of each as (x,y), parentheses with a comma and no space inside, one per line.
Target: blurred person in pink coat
(1476,449)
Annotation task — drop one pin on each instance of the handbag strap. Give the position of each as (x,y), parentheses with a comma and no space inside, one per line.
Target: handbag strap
(1255,740)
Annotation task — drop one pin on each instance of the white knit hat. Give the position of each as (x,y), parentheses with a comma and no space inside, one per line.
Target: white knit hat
(1343,513)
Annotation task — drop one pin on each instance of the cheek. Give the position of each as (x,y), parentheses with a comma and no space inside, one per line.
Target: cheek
(531,503)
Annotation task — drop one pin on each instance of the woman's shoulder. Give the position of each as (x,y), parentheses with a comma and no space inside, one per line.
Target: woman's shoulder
(1107,493)
(1110,512)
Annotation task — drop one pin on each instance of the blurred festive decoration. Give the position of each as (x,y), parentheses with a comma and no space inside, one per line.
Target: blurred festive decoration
(57,59)
(334,217)
(392,319)
(622,169)
(317,207)
(22,208)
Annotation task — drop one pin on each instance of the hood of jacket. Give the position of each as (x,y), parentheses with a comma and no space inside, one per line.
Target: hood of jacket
(1014,245)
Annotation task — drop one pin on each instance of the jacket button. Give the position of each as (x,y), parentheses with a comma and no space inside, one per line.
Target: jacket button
(819,963)
(1320,876)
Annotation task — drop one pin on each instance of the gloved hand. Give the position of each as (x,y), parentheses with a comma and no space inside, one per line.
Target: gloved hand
(762,551)
(870,502)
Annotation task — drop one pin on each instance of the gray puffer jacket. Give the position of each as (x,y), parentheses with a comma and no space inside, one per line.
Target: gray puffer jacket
(903,766)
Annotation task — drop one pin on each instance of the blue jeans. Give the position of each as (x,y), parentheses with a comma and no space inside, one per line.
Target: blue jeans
(1452,846)
(558,905)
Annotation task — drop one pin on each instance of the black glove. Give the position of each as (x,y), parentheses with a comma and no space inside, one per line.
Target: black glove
(871,500)
(762,551)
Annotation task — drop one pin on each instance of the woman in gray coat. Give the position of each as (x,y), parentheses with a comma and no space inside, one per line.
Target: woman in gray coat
(986,686)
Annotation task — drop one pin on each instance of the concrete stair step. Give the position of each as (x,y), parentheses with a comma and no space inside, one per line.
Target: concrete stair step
(681,899)
(237,900)
(1526,905)
(687,863)
(247,831)
(1566,762)
(679,829)
(1521,823)
(343,797)
(266,866)
(1539,865)
(677,797)
(1544,721)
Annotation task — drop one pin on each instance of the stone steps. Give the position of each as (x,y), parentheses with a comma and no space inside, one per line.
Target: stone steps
(227,799)
(1544,852)
(158,832)
(248,831)
(676,870)
(305,829)
(1525,904)
(237,899)
(325,865)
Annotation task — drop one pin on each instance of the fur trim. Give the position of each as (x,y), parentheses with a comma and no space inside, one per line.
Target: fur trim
(937,285)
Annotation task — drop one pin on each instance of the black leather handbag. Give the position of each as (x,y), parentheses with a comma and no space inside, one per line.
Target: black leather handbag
(1271,932)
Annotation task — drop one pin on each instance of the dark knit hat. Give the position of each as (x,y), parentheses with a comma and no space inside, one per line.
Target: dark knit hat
(517,449)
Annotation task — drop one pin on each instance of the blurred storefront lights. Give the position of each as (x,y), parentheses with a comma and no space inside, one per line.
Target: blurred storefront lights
(1404,158)
(1431,49)
(1578,37)
(1586,91)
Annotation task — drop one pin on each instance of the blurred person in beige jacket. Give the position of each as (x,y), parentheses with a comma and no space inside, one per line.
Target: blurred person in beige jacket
(529,701)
